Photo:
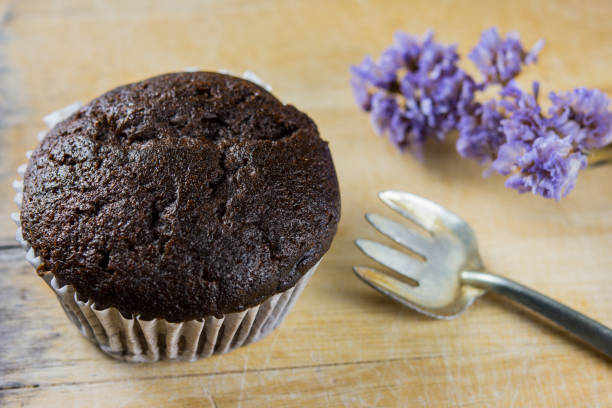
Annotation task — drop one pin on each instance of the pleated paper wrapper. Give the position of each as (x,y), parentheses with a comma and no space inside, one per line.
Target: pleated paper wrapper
(138,340)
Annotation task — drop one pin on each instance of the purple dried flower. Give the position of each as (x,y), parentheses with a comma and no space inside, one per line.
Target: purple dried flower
(549,168)
(430,91)
(369,72)
(500,60)
(539,158)
(362,95)
(480,133)
(434,61)
(383,108)
(507,156)
(404,136)
(408,46)
(524,120)
(416,91)
(582,115)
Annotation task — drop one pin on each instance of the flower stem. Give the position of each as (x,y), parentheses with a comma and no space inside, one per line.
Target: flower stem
(600,157)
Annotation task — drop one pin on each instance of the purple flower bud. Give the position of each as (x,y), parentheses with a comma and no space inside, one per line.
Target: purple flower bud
(549,168)
(582,115)
(500,60)
(507,156)
(383,109)
(362,95)
(524,120)
(532,55)
(480,134)
(379,75)
(415,88)
(409,48)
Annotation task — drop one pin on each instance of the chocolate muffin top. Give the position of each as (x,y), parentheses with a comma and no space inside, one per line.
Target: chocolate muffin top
(181,196)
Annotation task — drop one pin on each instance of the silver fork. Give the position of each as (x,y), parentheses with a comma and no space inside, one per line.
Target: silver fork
(451,276)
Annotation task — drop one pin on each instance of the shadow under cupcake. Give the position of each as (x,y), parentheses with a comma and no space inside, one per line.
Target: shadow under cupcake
(180,216)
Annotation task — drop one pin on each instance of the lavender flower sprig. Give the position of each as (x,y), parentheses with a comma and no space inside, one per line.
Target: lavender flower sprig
(501,60)
(416,91)
(538,157)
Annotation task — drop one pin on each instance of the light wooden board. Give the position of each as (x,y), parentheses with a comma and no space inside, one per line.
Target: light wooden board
(343,344)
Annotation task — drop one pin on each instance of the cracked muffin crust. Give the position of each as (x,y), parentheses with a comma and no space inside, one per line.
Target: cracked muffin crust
(181,196)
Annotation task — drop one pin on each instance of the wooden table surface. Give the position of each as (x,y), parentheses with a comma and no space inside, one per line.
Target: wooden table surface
(343,344)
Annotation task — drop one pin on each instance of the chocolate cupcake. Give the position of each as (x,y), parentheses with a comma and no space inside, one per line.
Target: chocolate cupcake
(180,216)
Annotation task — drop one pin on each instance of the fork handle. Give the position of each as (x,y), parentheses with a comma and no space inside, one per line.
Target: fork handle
(581,326)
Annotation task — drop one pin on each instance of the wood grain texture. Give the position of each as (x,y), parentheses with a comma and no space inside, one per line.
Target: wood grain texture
(343,344)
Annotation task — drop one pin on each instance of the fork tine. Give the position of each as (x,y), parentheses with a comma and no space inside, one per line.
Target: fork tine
(397,261)
(389,286)
(401,234)
(427,214)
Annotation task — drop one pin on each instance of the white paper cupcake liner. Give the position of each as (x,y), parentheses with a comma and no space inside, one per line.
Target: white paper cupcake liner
(138,340)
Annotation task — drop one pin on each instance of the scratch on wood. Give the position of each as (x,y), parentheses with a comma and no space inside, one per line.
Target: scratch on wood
(270,350)
(245,367)
(209,396)
(321,378)
(16,385)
